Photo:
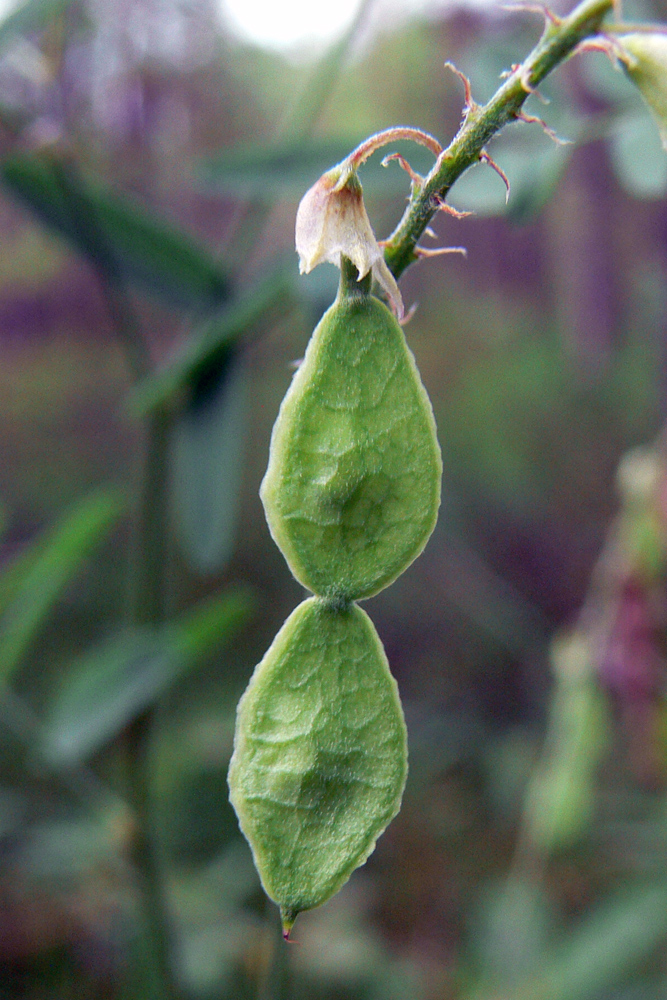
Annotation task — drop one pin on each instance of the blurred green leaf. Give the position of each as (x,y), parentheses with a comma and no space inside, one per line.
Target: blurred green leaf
(207,466)
(208,347)
(111,684)
(36,581)
(33,15)
(117,233)
(534,165)
(481,191)
(511,928)
(608,944)
(638,157)
(598,953)
(283,168)
(535,177)
(13,573)
(560,799)
(209,625)
(290,169)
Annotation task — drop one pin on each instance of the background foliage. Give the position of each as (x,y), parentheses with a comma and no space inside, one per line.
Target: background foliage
(151,166)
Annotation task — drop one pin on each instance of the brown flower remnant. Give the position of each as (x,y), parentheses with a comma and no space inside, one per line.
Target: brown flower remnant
(332,223)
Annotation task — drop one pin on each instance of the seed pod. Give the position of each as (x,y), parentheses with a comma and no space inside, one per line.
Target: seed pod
(352,489)
(320,756)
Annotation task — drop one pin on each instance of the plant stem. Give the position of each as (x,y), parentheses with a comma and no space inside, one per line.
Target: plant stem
(150,583)
(149,608)
(275,982)
(559,40)
(148,597)
(350,284)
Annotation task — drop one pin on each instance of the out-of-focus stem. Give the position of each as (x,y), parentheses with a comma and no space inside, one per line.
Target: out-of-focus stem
(148,600)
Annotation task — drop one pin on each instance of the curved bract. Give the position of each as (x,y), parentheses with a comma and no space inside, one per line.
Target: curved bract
(320,758)
(352,489)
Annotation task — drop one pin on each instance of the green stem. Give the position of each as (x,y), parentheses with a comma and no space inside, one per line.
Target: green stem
(276,979)
(148,598)
(150,582)
(558,42)
(149,608)
(157,973)
(350,285)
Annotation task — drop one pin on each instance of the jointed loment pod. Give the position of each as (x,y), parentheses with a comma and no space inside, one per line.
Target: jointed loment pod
(352,489)
(351,495)
(320,758)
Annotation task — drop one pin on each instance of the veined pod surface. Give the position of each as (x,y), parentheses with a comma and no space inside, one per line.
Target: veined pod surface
(352,488)
(320,754)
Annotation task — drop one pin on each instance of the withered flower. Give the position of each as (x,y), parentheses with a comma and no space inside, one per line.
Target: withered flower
(332,222)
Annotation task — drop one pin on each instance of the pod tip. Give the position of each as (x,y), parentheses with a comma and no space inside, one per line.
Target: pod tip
(288,917)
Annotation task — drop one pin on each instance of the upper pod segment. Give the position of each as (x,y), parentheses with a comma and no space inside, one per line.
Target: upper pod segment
(352,489)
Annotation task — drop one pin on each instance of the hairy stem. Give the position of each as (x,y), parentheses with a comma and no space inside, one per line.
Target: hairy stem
(559,40)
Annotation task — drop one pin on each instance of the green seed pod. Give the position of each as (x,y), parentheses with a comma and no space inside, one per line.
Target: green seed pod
(320,757)
(352,489)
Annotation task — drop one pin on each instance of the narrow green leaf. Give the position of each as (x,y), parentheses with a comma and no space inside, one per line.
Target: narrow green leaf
(111,684)
(209,345)
(608,945)
(116,232)
(285,168)
(599,953)
(43,577)
(13,574)
(207,465)
(210,624)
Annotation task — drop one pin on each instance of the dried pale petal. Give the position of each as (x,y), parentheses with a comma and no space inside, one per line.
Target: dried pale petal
(386,280)
(646,65)
(310,225)
(332,222)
